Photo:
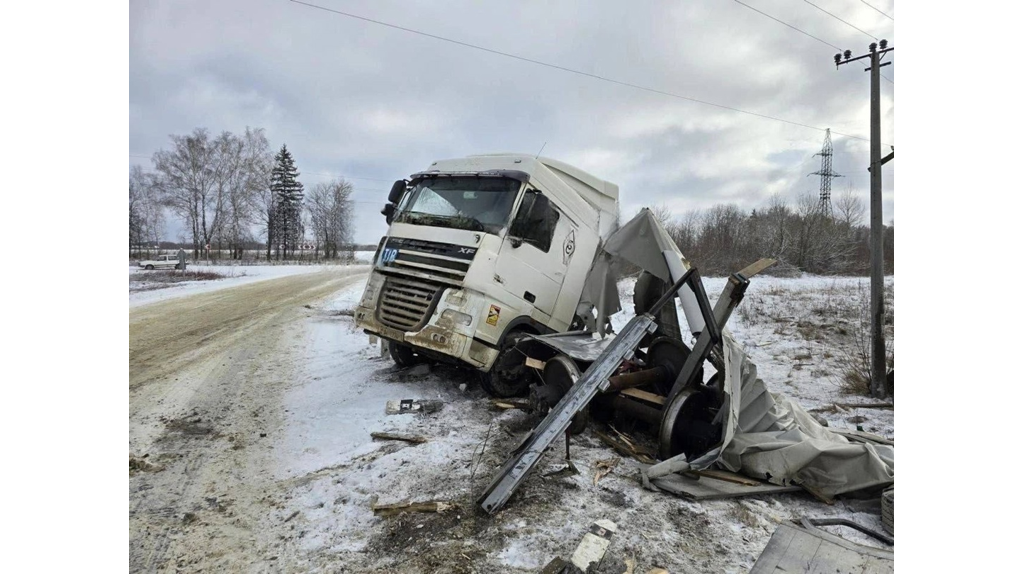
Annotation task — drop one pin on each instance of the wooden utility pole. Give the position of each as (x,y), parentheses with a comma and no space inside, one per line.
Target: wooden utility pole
(877,269)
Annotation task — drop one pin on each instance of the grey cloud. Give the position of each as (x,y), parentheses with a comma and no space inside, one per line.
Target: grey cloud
(357,99)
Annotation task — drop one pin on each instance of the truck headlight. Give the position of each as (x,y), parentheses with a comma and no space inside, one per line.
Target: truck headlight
(457,317)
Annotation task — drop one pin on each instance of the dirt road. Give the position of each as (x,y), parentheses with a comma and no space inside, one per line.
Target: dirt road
(206,374)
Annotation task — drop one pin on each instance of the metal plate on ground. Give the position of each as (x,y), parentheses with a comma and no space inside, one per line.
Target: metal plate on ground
(795,549)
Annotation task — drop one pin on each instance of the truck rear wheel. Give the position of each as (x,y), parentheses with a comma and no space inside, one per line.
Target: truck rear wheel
(509,376)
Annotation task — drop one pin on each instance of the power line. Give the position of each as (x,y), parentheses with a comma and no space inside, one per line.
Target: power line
(788,25)
(877,10)
(838,18)
(886,78)
(570,70)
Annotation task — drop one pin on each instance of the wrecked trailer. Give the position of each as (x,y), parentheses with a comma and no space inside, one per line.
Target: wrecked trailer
(647,372)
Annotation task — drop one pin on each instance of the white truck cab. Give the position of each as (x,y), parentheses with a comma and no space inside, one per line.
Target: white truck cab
(480,250)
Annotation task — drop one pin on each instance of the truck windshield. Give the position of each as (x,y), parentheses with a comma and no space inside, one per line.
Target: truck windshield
(473,203)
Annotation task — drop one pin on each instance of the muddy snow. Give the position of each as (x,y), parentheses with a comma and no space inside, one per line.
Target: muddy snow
(251,408)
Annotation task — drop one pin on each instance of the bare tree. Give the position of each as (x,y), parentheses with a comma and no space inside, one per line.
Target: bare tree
(188,181)
(850,209)
(145,214)
(330,215)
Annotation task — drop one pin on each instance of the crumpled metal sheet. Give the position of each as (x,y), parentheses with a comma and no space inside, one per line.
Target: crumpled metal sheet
(770,437)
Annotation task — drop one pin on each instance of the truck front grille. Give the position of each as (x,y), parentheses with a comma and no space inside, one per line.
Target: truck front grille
(416,258)
(406,304)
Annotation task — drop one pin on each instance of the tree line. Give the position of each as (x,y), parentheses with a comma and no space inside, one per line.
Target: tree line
(802,237)
(229,191)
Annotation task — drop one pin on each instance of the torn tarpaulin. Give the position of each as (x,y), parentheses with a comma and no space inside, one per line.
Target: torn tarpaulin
(771,437)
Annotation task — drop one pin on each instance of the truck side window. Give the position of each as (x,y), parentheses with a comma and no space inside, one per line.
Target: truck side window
(536,220)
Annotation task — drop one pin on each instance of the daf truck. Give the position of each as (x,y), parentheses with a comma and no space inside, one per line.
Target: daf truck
(480,251)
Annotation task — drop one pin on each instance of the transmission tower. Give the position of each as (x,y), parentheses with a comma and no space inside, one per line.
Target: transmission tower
(826,173)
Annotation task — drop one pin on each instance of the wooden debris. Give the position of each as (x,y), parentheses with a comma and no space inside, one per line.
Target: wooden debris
(534,363)
(726,476)
(511,403)
(626,447)
(604,467)
(644,396)
(395,436)
(630,565)
(399,508)
(708,488)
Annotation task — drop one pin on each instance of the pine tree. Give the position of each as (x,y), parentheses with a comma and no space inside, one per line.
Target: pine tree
(288,192)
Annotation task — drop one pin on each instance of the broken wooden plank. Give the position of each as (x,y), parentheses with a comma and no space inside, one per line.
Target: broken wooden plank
(624,448)
(400,507)
(395,436)
(512,403)
(644,396)
(534,363)
(707,488)
(726,476)
(756,267)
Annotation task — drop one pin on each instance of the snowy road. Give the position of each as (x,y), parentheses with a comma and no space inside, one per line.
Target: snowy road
(207,375)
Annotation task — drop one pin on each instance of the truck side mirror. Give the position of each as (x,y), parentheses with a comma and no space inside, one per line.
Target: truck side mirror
(396,191)
(388,212)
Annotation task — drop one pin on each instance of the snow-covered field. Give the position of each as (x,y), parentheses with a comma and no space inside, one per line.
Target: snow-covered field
(323,392)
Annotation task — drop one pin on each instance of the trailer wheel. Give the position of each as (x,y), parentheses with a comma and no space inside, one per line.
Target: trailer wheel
(509,376)
(403,355)
(560,374)
(149,267)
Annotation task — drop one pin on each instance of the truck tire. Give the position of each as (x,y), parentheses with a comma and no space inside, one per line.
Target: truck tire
(403,355)
(509,376)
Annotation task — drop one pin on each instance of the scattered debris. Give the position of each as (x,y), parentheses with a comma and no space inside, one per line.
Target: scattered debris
(726,476)
(512,403)
(405,406)
(291,516)
(399,508)
(604,467)
(889,510)
(630,565)
(569,470)
(140,464)
(593,546)
(396,436)
(709,488)
(627,448)
(887,406)
(807,548)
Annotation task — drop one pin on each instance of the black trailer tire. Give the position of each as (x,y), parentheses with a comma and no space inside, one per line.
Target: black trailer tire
(149,267)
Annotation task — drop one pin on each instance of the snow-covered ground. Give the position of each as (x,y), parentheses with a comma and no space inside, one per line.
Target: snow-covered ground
(340,473)
(310,403)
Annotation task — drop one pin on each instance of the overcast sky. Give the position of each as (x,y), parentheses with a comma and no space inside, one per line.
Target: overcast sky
(374,104)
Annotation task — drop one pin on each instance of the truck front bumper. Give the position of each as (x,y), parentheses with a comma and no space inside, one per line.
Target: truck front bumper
(448,332)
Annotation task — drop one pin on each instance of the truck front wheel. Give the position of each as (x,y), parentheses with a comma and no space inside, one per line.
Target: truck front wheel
(403,355)
(509,376)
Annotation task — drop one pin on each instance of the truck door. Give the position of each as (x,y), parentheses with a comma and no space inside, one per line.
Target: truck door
(534,256)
